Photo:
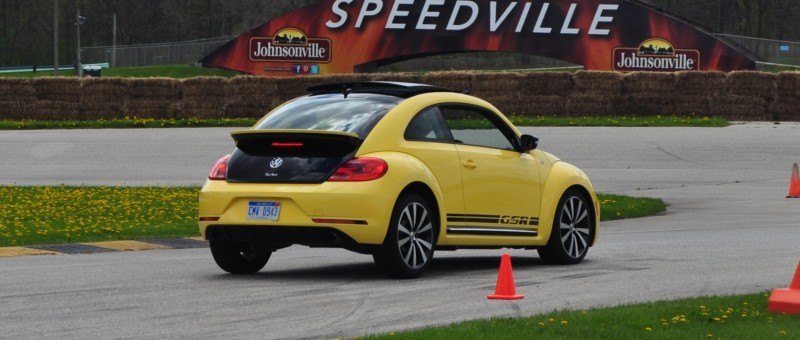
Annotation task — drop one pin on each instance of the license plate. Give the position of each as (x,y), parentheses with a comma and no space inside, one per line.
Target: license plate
(268,211)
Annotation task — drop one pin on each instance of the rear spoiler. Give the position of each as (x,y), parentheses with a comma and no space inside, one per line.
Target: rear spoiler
(304,142)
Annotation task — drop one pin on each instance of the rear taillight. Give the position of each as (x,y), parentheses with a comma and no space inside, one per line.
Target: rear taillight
(360,170)
(219,172)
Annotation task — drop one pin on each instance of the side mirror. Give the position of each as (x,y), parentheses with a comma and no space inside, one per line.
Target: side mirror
(529,143)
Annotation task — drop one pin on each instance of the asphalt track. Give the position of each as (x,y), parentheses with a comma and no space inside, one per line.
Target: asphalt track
(729,229)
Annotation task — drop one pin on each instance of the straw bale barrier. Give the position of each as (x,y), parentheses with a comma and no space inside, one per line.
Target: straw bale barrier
(507,102)
(591,105)
(649,83)
(736,96)
(787,101)
(647,104)
(700,83)
(608,83)
(157,98)
(740,107)
(17,97)
(459,80)
(750,83)
(488,84)
(542,105)
(103,98)
(548,84)
(56,98)
(203,97)
(249,97)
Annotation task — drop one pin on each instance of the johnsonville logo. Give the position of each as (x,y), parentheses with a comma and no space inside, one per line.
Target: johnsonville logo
(656,55)
(291,45)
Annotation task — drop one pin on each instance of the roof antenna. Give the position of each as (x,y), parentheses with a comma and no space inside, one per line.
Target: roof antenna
(346,91)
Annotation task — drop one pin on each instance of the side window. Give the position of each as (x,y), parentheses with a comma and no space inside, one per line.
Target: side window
(471,127)
(428,125)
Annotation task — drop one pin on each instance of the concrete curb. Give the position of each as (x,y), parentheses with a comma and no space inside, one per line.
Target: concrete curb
(104,247)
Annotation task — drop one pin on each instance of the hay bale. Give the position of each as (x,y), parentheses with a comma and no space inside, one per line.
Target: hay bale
(402,77)
(16,89)
(17,110)
(157,98)
(159,108)
(244,110)
(751,83)
(786,109)
(507,103)
(56,110)
(548,83)
(748,108)
(103,98)
(591,105)
(99,90)
(203,87)
(649,83)
(487,84)
(647,104)
(202,97)
(289,88)
(59,89)
(700,83)
(543,105)
(788,84)
(451,80)
(250,91)
(154,88)
(691,105)
(608,83)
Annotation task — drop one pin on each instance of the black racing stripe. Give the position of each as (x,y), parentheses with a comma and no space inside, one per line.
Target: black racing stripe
(475,219)
(470,215)
(466,230)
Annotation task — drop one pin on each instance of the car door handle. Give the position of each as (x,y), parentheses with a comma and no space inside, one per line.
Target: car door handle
(470,164)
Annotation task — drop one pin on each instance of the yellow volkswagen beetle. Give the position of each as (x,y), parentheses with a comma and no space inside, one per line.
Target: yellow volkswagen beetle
(395,170)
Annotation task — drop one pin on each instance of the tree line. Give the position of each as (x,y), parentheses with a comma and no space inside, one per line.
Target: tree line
(26,30)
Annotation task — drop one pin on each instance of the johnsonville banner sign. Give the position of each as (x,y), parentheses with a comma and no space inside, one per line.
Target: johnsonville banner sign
(346,36)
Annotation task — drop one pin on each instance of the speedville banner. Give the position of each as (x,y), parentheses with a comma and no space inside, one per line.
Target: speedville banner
(346,36)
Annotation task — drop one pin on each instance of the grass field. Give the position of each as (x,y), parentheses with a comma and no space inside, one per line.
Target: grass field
(168,71)
(133,122)
(726,317)
(60,214)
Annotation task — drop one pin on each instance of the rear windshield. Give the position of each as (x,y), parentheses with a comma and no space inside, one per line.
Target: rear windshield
(356,114)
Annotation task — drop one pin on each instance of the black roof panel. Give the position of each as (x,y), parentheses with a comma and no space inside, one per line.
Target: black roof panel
(397,89)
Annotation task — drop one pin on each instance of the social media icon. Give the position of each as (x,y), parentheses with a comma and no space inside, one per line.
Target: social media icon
(298,69)
(306,69)
(314,69)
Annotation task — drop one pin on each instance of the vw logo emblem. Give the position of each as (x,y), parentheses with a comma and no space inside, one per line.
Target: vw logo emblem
(276,163)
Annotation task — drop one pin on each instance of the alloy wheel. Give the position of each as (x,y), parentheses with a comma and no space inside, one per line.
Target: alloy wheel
(415,235)
(575,227)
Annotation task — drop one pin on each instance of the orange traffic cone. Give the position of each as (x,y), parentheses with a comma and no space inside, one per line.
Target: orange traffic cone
(506,289)
(787,300)
(794,184)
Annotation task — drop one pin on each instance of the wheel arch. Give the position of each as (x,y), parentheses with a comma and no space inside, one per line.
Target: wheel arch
(427,193)
(564,177)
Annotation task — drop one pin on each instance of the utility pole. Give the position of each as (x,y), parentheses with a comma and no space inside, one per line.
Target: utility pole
(79,20)
(55,37)
(114,43)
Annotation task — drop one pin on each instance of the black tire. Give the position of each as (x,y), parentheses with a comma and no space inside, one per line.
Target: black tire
(237,258)
(407,251)
(572,235)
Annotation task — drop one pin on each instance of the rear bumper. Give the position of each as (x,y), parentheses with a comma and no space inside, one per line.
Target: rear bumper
(369,202)
(276,237)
